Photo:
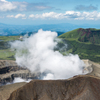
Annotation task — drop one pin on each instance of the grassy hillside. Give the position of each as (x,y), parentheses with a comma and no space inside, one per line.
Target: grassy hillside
(87,49)
(90,35)
(84,42)
(5,52)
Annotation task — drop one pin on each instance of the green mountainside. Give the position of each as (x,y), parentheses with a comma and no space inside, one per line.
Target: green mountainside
(90,35)
(5,51)
(84,42)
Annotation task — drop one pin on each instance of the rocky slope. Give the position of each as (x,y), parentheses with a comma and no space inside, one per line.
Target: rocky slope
(9,70)
(92,67)
(6,90)
(76,88)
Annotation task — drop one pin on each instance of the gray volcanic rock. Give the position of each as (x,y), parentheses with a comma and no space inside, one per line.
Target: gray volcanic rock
(92,68)
(88,68)
(9,70)
(77,88)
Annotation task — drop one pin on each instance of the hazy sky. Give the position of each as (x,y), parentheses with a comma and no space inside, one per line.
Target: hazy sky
(49,11)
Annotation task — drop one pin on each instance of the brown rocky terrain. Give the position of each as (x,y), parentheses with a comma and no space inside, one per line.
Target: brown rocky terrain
(89,35)
(77,88)
(6,90)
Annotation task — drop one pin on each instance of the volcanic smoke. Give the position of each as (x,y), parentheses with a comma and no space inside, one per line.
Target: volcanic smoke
(37,54)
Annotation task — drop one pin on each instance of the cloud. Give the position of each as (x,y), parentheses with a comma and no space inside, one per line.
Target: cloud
(76,15)
(23,16)
(47,15)
(21,6)
(20,15)
(72,14)
(54,15)
(86,8)
(6,6)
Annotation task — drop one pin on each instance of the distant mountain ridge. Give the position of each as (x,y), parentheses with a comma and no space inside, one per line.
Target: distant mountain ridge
(13,30)
(90,35)
(30,33)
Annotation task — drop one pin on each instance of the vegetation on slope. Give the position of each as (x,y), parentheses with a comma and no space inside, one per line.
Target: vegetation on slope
(90,35)
(86,45)
(78,40)
(5,52)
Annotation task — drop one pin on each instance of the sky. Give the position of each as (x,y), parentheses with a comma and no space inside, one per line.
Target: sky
(35,12)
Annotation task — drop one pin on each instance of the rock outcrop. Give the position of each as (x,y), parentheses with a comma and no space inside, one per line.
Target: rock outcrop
(9,70)
(92,68)
(77,88)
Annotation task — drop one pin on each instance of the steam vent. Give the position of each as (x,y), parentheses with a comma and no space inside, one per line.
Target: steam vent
(81,87)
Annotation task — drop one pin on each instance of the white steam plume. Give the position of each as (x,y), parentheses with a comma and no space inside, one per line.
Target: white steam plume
(37,54)
(18,80)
